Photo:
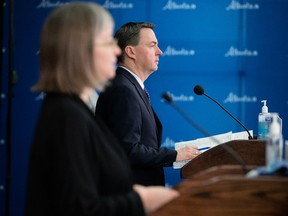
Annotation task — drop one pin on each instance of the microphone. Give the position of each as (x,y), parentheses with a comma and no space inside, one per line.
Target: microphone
(199,90)
(168,99)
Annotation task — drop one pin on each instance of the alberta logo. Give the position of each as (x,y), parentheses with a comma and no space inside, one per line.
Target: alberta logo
(233,98)
(234,52)
(168,143)
(121,5)
(235,5)
(171,5)
(49,4)
(40,96)
(170,51)
(181,97)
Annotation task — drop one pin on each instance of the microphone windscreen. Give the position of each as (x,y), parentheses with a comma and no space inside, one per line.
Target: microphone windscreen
(198,90)
(167,97)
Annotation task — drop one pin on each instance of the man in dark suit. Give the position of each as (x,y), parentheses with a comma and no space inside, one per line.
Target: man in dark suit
(126,108)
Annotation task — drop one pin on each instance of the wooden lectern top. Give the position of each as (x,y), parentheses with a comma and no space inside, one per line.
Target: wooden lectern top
(251,151)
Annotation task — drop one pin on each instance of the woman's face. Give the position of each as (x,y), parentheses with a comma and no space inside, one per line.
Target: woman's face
(105,52)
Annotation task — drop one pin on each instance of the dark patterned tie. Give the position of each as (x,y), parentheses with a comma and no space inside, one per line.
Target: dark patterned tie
(147,94)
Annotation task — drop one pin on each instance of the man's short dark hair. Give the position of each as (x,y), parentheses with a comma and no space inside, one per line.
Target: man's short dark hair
(128,34)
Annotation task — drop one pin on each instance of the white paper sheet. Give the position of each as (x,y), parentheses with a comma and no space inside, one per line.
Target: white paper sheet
(209,142)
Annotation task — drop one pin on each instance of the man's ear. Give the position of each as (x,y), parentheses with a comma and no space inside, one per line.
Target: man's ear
(130,52)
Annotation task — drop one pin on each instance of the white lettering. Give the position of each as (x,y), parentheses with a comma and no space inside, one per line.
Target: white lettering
(168,143)
(121,5)
(48,4)
(181,97)
(170,51)
(171,5)
(40,96)
(234,5)
(232,52)
(233,98)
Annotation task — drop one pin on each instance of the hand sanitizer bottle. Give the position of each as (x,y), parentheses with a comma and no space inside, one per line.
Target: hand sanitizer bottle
(264,120)
(274,146)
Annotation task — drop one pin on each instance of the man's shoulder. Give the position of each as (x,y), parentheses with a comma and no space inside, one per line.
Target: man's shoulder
(123,79)
(123,84)
(119,86)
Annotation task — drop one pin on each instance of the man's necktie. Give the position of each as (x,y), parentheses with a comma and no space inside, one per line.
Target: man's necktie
(147,94)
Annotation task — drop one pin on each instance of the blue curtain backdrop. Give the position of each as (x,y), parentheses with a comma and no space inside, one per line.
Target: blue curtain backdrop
(236,49)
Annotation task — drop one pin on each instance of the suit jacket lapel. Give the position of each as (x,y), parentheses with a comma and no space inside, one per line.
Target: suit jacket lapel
(141,92)
(138,88)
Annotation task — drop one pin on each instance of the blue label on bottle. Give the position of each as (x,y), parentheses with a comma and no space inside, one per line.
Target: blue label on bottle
(268,119)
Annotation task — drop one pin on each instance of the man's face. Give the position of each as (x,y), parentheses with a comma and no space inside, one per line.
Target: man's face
(147,51)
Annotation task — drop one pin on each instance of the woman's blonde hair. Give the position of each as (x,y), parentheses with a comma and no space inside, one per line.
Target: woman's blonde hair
(66,48)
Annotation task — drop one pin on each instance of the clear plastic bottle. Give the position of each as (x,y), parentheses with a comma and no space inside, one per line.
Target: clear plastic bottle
(264,120)
(274,146)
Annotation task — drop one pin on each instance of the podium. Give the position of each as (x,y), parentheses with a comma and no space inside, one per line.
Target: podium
(251,151)
(217,185)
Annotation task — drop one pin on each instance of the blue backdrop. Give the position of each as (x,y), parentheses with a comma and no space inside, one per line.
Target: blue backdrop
(236,49)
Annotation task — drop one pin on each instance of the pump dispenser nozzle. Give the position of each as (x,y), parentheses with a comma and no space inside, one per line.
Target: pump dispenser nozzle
(264,108)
